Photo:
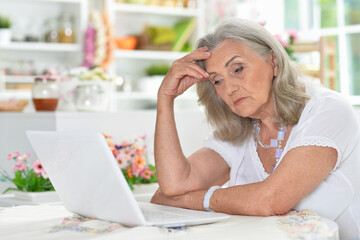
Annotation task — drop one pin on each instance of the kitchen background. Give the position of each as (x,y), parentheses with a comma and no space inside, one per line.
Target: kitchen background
(97,64)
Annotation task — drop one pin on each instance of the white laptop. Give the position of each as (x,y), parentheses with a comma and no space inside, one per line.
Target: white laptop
(89,182)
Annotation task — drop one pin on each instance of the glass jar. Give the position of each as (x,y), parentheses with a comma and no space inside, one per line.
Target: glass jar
(51,30)
(91,97)
(66,31)
(45,94)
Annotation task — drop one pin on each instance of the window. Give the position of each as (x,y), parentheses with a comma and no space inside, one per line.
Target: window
(338,20)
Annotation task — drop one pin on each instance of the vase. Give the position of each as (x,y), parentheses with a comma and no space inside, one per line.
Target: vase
(93,96)
(5,35)
(150,84)
(36,197)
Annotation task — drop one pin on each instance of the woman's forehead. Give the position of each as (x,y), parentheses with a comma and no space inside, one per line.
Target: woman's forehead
(226,51)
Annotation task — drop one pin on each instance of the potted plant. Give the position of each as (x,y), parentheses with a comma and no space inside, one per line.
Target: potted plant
(5,31)
(131,159)
(154,76)
(31,181)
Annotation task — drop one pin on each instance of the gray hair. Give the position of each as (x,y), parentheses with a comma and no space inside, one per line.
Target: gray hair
(288,91)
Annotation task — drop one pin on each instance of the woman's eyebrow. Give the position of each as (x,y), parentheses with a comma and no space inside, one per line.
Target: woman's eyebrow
(228,62)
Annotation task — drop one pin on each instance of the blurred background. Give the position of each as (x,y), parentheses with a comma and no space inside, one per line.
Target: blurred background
(96,65)
(127,46)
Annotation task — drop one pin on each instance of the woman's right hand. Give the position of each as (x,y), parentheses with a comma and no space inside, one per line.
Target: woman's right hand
(183,74)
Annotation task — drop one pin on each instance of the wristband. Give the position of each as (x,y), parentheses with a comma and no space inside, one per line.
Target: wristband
(207,197)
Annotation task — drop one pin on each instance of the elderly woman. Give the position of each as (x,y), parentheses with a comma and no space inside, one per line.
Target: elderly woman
(282,143)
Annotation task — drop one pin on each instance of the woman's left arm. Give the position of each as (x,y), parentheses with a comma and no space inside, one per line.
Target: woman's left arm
(301,170)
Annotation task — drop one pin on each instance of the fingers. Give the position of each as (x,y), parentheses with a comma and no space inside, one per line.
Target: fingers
(191,70)
(201,73)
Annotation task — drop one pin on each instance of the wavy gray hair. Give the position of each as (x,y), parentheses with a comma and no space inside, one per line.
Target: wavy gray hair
(288,91)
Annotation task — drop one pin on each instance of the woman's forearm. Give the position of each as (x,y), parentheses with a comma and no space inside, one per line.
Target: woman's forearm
(240,200)
(171,164)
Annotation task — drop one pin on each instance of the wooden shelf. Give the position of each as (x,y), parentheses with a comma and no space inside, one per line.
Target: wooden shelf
(41,46)
(52,1)
(156,10)
(149,55)
(20,79)
(151,96)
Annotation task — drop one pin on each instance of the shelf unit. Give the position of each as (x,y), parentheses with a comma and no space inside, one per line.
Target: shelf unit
(41,47)
(147,55)
(25,13)
(134,62)
(129,19)
(25,18)
(155,10)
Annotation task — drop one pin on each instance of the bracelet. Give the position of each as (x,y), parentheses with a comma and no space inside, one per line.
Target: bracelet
(207,197)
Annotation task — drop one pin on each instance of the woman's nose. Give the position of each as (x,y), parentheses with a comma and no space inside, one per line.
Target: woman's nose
(231,86)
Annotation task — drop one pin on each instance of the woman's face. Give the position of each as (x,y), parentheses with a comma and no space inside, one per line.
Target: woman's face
(241,78)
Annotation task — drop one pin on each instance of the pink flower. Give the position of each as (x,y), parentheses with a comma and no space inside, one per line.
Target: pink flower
(122,159)
(136,170)
(19,166)
(13,155)
(38,168)
(23,157)
(293,33)
(147,173)
(279,38)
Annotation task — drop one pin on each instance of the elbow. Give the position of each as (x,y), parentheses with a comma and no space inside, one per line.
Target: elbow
(272,205)
(274,210)
(171,190)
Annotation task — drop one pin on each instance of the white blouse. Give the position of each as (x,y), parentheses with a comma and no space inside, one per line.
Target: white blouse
(328,120)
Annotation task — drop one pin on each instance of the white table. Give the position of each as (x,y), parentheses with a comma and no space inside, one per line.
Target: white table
(53,221)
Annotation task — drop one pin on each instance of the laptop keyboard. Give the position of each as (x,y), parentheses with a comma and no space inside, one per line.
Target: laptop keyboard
(161,216)
(170,216)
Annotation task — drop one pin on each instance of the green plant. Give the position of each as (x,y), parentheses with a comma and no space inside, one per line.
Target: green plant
(28,179)
(157,69)
(5,22)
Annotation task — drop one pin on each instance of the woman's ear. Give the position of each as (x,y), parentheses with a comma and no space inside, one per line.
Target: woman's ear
(274,63)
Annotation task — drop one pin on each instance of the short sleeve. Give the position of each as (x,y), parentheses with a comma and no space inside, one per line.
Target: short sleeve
(221,147)
(328,120)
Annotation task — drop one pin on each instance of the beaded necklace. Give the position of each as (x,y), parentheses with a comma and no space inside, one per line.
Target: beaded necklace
(277,143)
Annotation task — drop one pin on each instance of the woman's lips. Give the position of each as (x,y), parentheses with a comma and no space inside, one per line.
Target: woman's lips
(239,101)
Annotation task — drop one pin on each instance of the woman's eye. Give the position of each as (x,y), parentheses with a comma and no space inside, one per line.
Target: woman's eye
(237,70)
(216,80)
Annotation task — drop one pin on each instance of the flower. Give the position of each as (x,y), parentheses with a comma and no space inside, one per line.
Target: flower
(13,155)
(27,179)
(38,168)
(293,33)
(290,36)
(147,173)
(19,166)
(122,159)
(131,159)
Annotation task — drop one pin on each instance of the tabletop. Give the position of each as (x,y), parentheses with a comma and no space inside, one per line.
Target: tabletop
(53,221)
